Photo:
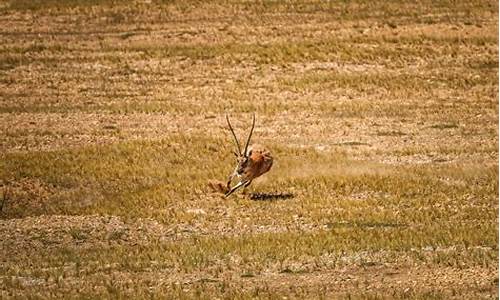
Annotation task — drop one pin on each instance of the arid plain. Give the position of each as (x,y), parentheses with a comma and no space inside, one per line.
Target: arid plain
(382,118)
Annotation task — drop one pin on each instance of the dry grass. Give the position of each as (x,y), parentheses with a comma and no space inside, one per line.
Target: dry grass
(382,117)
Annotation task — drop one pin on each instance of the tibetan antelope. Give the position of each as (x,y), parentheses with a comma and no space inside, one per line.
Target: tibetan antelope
(250,164)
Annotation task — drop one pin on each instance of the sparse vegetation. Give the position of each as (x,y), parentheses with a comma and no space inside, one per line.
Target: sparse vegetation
(382,118)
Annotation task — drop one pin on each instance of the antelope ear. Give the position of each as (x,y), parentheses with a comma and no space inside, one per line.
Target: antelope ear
(235,154)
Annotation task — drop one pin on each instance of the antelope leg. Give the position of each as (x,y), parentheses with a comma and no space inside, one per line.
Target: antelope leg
(240,184)
(229,179)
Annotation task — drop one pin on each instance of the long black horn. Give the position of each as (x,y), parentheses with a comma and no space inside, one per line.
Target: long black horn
(234,135)
(250,135)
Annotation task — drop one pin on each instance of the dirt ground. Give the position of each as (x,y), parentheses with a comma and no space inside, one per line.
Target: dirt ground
(382,118)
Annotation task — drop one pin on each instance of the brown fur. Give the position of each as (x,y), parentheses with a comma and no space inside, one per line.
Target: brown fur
(260,161)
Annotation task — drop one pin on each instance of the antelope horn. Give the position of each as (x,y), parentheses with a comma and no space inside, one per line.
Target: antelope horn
(234,135)
(250,135)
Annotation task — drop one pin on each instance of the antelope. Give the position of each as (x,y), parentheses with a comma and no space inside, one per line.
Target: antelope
(251,163)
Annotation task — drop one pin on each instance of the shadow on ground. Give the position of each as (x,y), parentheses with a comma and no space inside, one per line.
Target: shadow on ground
(271,196)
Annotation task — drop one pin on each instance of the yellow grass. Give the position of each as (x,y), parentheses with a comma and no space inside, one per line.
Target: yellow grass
(382,118)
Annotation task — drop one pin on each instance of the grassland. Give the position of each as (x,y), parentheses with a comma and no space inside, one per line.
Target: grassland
(382,117)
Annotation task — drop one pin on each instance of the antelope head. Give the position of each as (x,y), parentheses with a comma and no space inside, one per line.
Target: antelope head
(241,157)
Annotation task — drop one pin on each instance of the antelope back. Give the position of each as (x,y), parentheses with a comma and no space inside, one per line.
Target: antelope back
(259,161)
